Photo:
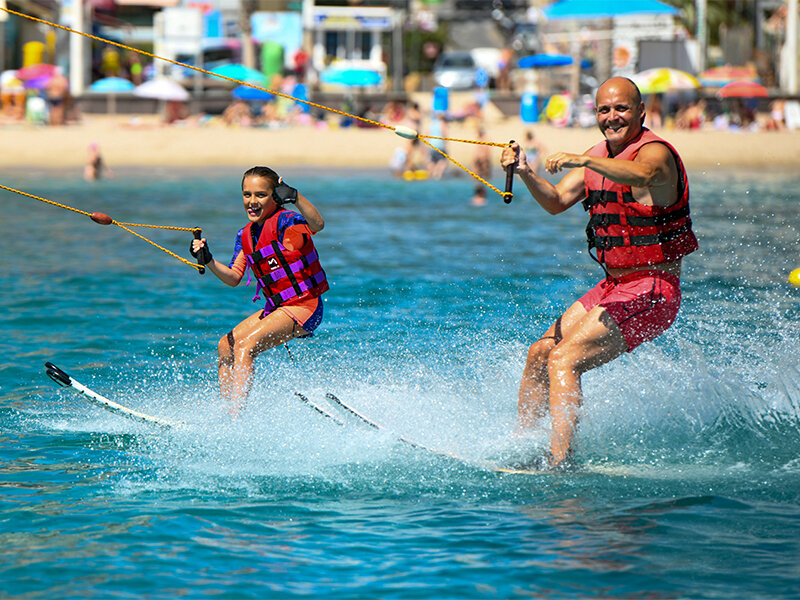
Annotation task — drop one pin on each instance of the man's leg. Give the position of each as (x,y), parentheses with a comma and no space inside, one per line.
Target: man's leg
(534,387)
(594,341)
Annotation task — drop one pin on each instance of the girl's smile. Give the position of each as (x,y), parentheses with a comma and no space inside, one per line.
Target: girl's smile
(257,197)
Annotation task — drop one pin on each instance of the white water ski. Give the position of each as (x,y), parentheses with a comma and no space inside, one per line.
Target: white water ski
(478,464)
(65,380)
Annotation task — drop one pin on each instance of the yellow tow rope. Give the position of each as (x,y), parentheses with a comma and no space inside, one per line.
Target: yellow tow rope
(399,130)
(104,219)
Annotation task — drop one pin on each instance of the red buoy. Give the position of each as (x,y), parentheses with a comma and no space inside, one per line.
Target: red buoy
(101,218)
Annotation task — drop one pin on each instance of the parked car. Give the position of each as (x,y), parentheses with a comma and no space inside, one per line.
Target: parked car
(214,55)
(455,70)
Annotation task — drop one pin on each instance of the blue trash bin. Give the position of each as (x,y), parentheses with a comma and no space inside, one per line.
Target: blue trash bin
(440,99)
(528,108)
(300,92)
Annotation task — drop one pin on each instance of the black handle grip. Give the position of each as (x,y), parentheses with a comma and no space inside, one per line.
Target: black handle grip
(508,194)
(198,233)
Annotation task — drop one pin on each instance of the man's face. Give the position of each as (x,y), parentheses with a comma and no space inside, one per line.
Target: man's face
(619,116)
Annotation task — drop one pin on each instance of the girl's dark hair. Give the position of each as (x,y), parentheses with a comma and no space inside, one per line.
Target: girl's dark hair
(265,172)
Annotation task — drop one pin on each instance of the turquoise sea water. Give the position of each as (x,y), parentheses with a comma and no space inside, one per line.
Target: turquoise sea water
(688,478)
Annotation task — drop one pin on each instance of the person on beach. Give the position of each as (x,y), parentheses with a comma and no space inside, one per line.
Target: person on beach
(277,247)
(635,187)
(57,94)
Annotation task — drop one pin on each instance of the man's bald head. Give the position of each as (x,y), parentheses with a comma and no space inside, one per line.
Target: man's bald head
(623,84)
(620,111)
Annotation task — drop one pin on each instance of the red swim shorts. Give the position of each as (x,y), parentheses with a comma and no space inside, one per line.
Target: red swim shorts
(643,304)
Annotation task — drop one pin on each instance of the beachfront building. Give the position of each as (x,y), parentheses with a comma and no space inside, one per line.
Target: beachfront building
(352,37)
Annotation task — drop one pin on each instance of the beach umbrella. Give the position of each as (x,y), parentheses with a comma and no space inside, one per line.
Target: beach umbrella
(38,70)
(37,83)
(12,84)
(663,79)
(245,92)
(162,88)
(743,89)
(606,9)
(241,73)
(111,85)
(719,76)
(351,77)
(540,61)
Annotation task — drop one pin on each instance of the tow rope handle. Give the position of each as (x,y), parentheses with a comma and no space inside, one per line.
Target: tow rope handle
(508,195)
(198,234)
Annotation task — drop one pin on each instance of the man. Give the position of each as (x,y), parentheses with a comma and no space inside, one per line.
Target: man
(635,188)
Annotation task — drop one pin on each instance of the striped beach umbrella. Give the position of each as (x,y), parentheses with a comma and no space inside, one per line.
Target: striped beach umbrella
(719,76)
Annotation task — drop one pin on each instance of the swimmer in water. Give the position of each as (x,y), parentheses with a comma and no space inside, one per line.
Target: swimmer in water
(95,167)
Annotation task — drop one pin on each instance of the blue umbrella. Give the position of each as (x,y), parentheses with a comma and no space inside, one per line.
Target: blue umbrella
(601,9)
(351,77)
(241,73)
(111,85)
(544,60)
(245,92)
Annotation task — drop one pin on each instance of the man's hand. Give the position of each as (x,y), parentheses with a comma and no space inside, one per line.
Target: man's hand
(514,155)
(564,160)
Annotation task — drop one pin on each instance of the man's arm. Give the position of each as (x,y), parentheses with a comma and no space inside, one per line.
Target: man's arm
(553,198)
(652,168)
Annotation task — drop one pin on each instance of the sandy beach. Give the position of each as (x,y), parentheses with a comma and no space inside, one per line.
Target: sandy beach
(142,142)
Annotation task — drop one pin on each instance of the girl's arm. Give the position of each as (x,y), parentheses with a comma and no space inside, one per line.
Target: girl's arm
(310,213)
(223,272)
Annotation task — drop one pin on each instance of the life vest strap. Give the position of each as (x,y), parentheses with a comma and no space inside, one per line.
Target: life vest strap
(605,242)
(276,300)
(604,197)
(606,219)
(287,269)
(303,262)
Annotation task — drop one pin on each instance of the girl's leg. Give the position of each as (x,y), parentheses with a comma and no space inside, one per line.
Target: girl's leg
(238,349)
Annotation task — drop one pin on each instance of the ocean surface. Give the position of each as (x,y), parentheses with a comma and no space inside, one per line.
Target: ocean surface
(687,482)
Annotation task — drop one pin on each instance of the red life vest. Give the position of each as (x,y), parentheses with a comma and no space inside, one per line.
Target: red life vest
(282,274)
(627,233)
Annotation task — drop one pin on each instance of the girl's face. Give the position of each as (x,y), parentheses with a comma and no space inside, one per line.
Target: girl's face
(257,197)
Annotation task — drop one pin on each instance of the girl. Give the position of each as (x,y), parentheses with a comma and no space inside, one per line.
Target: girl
(276,245)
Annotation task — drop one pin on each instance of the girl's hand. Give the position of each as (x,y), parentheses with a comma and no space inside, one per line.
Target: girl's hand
(284,194)
(199,250)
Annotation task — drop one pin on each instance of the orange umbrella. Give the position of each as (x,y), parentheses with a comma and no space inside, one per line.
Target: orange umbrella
(743,89)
